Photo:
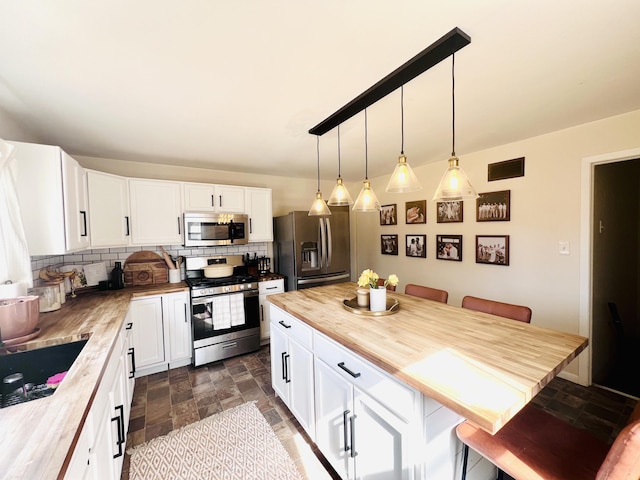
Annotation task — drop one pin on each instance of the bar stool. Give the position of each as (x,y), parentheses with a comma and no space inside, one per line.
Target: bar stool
(391,288)
(426,292)
(507,310)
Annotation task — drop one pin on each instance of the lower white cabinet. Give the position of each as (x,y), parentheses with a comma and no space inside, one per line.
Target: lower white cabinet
(161,332)
(265,289)
(367,424)
(99,452)
(292,367)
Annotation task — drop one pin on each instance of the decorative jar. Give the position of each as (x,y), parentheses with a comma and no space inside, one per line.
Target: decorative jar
(363,297)
(378,299)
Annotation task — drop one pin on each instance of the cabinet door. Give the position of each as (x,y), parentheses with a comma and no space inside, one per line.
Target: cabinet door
(109,207)
(76,205)
(148,332)
(199,197)
(265,318)
(179,334)
(382,442)
(156,212)
(334,418)
(279,364)
(258,207)
(230,199)
(301,401)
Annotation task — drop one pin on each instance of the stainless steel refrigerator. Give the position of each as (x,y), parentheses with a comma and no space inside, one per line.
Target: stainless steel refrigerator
(312,251)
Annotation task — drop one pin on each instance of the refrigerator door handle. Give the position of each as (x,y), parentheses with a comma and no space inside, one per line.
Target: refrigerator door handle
(323,243)
(329,242)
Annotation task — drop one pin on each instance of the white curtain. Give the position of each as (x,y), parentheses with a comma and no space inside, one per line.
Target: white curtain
(15,262)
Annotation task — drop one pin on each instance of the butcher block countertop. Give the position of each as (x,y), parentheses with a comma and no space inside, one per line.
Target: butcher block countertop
(37,437)
(483,367)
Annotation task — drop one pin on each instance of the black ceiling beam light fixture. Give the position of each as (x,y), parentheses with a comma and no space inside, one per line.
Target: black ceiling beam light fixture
(423,61)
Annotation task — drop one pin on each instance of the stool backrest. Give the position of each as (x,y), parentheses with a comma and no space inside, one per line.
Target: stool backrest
(507,310)
(427,292)
(391,288)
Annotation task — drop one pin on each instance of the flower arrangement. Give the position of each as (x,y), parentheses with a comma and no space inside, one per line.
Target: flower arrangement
(369,278)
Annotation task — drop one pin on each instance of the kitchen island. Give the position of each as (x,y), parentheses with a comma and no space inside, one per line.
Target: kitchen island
(483,367)
(38,437)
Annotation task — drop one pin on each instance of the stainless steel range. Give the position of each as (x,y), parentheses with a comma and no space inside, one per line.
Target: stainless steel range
(224,311)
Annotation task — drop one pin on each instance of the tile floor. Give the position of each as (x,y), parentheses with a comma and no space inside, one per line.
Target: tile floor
(169,400)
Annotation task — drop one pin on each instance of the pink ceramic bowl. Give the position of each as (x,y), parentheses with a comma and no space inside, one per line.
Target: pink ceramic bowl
(18,316)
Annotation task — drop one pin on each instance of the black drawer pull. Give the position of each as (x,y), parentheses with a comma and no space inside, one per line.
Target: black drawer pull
(353,374)
(281,322)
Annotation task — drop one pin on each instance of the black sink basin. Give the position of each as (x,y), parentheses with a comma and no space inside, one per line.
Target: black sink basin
(36,366)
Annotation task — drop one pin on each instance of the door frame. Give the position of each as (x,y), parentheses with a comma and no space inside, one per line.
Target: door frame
(586,246)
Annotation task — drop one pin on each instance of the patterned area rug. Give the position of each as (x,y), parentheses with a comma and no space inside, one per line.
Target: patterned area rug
(236,444)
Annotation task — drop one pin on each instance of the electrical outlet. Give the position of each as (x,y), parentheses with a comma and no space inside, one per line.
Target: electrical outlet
(564,248)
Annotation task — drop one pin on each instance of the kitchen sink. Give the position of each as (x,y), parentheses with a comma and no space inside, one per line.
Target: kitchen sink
(24,374)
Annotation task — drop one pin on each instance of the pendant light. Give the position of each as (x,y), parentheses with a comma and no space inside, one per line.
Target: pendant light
(454,184)
(367,200)
(403,179)
(340,195)
(319,207)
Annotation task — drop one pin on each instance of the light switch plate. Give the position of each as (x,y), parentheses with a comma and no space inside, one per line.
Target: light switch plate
(564,248)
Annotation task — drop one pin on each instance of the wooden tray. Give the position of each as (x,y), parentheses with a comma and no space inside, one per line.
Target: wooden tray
(351,305)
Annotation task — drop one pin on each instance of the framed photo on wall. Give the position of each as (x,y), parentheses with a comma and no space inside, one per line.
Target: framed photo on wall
(388,215)
(416,246)
(450,212)
(492,249)
(449,247)
(389,244)
(416,212)
(494,206)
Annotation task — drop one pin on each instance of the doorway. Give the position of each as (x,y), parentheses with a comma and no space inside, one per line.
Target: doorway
(615,287)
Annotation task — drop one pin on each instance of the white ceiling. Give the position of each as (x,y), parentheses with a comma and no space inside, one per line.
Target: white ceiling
(236,85)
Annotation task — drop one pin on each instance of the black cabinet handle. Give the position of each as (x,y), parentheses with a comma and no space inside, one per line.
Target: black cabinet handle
(352,421)
(131,352)
(262,313)
(346,434)
(353,374)
(84,223)
(213,200)
(129,326)
(179,231)
(220,197)
(281,322)
(127,224)
(250,227)
(286,365)
(120,420)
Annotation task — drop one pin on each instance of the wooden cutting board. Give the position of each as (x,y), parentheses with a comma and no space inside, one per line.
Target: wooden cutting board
(145,268)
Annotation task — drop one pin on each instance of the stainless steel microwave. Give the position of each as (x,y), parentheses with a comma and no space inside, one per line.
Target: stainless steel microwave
(203,229)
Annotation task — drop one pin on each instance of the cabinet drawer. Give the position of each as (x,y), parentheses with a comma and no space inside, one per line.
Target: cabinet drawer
(291,326)
(396,396)
(271,286)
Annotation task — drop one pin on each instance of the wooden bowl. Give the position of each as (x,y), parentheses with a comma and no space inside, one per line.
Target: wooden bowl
(19,316)
(218,270)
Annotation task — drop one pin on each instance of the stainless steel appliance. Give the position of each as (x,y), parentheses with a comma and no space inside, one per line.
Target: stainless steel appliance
(312,251)
(224,311)
(202,229)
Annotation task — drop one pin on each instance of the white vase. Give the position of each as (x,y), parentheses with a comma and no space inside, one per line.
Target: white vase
(378,299)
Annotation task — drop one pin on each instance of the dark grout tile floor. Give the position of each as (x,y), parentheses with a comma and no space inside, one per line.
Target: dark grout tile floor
(170,400)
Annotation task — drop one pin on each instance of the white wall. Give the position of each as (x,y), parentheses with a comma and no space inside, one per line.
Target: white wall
(545,209)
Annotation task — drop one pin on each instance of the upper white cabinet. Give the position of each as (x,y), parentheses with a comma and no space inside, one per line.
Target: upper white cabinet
(156,212)
(214,198)
(109,207)
(52,193)
(258,203)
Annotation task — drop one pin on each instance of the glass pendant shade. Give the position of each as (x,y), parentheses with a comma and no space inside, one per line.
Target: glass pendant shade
(340,195)
(367,200)
(403,179)
(319,207)
(454,184)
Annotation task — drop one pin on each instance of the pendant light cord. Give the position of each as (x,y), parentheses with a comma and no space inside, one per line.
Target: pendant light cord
(338,151)
(402,118)
(366,152)
(318,151)
(453,104)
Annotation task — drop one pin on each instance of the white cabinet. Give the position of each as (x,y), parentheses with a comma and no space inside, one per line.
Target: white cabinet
(213,198)
(292,366)
(258,208)
(109,208)
(161,332)
(52,193)
(368,425)
(156,212)
(265,289)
